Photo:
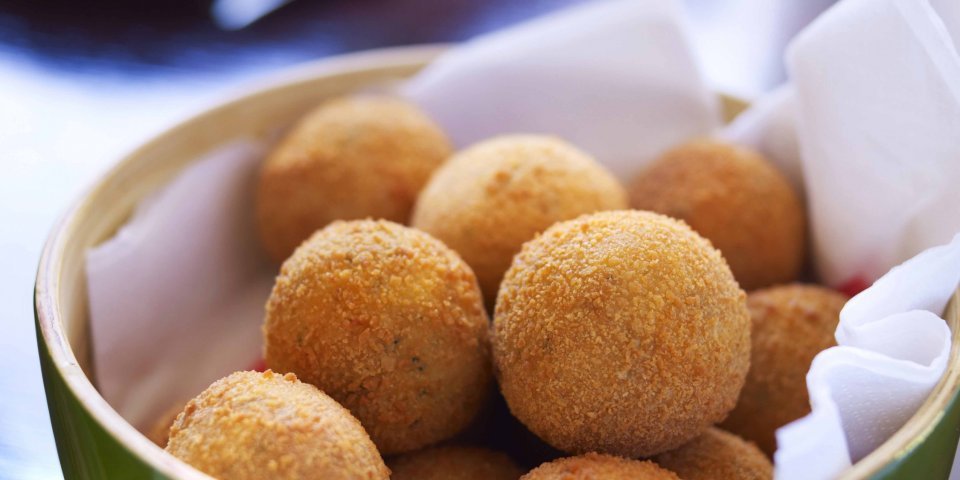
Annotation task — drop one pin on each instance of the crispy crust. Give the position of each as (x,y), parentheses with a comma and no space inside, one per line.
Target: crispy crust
(621,332)
(717,455)
(454,463)
(490,198)
(350,158)
(735,198)
(389,322)
(594,466)
(791,324)
(253,425)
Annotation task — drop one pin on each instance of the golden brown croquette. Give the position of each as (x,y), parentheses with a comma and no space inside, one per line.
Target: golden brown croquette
(350,158)
(736,199)
(594,466)
(717,455)
(490,198)
(390,323)
(620,332)
(253,425)
(791,324)
(454,463)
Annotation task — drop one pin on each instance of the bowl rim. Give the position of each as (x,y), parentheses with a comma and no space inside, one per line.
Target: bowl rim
(48,312)
(921,424)
(50,322)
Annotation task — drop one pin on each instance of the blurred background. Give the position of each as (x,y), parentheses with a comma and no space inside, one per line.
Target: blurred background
(81,83)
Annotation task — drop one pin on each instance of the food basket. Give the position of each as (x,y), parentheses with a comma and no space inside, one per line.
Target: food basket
(94,441)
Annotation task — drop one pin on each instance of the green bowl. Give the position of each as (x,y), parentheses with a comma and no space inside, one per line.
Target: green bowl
(95,442)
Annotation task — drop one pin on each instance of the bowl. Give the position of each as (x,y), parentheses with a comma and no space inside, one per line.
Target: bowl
(94,441)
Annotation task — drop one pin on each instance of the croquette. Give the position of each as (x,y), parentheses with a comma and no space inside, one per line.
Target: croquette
(717,455)
(791,324)
(253,425)
(492,197)
(737,200)
(620,332)
(389,322)
(594,466)
(350,158)
(454,463)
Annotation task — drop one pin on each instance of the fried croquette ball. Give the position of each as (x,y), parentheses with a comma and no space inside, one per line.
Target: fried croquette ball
(252,425)
(594,466)
(620,332)
(454,463)
(490,198)
(717,455)
(791,325)
(350,158)
(736,199)
(390,323)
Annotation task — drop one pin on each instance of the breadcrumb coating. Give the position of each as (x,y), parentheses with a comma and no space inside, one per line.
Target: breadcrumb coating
(791,325)
(454,463)
(620,332)
(390,323)
(717,455)
(735,198)
(350,158)
(492,197)
(252,425)
(594,466)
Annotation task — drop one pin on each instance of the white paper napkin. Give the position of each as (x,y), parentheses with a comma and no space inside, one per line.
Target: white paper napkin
(616,78)
(177,295)
(878,93)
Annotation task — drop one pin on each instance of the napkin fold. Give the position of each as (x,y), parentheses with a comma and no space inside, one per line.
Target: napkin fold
(893,347)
